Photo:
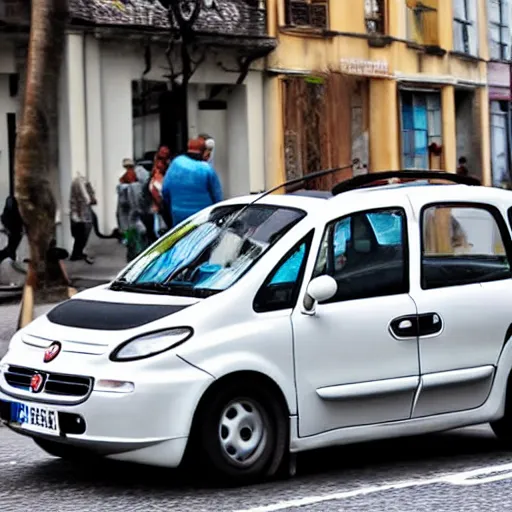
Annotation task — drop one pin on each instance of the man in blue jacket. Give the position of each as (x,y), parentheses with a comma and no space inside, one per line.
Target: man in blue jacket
(191,184)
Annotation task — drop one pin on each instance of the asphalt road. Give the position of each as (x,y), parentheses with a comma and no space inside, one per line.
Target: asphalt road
(461,470)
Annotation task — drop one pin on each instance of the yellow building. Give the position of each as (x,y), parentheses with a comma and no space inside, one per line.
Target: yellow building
(395,83)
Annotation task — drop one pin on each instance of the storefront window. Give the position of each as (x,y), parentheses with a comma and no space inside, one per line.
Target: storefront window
(421,127)
(499,144)
(499,31)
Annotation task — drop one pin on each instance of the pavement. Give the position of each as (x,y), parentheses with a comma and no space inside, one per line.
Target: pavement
(109,258)
(465,469)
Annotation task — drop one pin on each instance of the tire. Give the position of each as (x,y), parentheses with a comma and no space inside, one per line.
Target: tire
(502,428)
(242,433)
(64,451)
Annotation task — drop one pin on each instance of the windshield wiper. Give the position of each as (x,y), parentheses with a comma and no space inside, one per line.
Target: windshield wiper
(170,289)
(122,285)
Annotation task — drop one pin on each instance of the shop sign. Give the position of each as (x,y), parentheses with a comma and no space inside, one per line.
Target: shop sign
(368,68)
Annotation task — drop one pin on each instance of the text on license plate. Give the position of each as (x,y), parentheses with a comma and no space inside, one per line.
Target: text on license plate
(35,417)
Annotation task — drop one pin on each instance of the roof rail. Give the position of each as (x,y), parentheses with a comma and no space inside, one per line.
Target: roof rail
(366,180)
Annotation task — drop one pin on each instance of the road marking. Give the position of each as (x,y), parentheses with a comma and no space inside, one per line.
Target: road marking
(462,478)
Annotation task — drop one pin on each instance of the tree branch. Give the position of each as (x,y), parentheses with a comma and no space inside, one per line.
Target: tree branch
(185,25)
(199,61)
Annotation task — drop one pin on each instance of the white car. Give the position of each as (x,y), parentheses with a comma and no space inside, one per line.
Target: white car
(267,326)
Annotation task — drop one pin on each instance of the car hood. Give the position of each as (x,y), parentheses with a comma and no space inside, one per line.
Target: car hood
(104,317)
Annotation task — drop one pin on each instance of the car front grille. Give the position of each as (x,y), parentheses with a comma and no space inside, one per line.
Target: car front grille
(57,384)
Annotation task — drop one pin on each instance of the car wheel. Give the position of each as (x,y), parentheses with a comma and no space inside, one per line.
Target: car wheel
(64,451)
(243,433)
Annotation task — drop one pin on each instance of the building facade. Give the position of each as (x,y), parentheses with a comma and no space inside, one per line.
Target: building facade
(394,83)
(498,77)
(114,102)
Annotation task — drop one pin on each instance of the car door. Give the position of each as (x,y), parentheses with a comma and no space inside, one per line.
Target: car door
(462,291)
(356,358)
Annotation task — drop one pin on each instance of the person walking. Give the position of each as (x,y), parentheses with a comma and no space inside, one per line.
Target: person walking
(191,183)
(13,224)
(81,199)
(154,215)
(129,210)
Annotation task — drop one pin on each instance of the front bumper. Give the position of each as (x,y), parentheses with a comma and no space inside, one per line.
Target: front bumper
(149,425)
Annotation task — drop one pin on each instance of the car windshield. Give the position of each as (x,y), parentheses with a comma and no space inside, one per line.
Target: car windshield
(210,252)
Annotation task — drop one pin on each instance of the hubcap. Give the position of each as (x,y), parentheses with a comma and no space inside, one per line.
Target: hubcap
(242,432)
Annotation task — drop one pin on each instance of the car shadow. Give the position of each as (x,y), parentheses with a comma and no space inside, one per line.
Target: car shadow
(420,451)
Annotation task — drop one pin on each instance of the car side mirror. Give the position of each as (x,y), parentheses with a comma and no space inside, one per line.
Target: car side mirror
(319,289)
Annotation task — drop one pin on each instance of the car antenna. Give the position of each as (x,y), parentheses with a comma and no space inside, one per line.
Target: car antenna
(295,181)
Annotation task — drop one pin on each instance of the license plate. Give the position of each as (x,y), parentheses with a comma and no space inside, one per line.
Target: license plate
(34,418)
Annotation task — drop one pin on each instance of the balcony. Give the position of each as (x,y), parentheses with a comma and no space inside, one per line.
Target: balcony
(312,14)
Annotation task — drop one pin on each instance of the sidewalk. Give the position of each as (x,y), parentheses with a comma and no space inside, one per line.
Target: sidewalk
(109,258)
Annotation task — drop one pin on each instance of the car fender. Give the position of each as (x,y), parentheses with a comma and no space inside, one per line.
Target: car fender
(223,365)
(499,388)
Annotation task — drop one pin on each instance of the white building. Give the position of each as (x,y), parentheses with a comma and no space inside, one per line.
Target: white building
(106,57)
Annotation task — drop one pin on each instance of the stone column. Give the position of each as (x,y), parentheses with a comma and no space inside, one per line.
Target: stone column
(274,132)
(485,136)
(93,108)
(449,128)
(255,121)
(117,122)
(384,126)
(72,127)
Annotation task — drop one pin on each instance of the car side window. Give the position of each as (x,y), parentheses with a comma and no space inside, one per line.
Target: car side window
(366,253)
(462,245)
(281,288)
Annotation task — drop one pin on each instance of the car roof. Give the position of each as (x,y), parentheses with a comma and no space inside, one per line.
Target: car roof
(418,192)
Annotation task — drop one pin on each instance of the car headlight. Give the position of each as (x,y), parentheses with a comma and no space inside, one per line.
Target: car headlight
(149,345)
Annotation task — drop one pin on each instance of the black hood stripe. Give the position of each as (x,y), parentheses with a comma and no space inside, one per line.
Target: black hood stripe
(108,316)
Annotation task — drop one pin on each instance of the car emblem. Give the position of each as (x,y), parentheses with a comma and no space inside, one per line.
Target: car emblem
(52,352)
(36,383)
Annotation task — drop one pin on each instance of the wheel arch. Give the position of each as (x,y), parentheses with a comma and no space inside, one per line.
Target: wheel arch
(252,376)
(225,382)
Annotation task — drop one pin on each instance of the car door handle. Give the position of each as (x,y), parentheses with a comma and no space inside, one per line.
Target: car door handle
(430,324)
(404,327)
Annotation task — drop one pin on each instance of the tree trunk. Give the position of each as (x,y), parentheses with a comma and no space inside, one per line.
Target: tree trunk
(33,191)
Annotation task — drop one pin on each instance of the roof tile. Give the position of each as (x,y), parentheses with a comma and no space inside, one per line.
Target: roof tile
(235,17)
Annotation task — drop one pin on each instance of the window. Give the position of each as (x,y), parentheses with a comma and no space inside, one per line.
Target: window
(422,22)
(307,13)
(499,32)
(366,253)
(374,11)
(421,126)
(464,26)
(499,143)
(209,252)
(462,245)
(281,288)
